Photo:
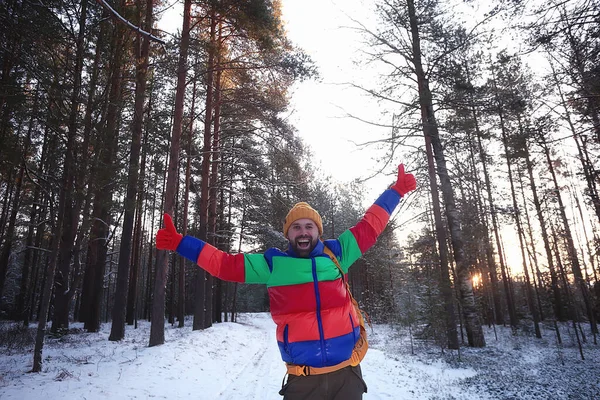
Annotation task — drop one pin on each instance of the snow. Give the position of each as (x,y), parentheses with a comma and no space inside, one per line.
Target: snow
(241,361)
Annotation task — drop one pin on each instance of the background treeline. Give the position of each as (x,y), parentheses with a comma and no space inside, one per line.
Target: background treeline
(507,100)
(102,128)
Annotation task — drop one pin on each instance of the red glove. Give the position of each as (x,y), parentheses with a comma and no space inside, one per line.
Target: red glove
(168,238)
(405,182)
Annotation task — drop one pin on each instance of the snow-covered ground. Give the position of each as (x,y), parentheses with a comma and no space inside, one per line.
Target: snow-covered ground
(241,361)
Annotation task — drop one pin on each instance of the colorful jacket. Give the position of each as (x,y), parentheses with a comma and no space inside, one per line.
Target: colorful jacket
(317,324)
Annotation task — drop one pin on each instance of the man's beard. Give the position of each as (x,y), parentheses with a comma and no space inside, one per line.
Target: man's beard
(303,251)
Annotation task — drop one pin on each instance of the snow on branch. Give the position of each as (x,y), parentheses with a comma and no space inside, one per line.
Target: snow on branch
(126,22)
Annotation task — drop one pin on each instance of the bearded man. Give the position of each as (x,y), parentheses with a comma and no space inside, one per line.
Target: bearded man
(320,332)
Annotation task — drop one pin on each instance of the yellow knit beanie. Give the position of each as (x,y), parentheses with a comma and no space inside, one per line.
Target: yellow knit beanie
(302,210)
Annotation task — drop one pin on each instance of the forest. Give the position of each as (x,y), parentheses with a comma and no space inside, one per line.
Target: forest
(107,121)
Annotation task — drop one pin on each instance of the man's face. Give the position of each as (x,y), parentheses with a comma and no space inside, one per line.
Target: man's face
(303,236)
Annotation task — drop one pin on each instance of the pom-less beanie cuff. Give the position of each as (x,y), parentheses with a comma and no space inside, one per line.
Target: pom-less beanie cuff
(302,210)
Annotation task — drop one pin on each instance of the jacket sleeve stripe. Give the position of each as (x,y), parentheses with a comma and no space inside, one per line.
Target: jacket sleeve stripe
(228,267)
(365,236)
(209,259)
(388,200)
(372,224)
(377,218)
(256,268)
(190,247)
(370,227)
(350,249)
(250,268)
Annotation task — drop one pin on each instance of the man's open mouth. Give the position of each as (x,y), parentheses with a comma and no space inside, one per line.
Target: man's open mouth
(303,244)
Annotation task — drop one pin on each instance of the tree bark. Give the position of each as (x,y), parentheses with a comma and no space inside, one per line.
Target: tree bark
(142,50)
(54,249)
(63,296)
(517,215)
(588,167)
(572,253)
(491,263)
(104,186)
(430,129)
(157,328)
(186,201)
(204,280)
(215,311)
(87,289)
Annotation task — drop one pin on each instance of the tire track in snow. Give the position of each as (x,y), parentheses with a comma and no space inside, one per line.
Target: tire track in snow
(260,377)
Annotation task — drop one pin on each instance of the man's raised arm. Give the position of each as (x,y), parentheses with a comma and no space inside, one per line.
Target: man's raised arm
(358,239)
(249,268)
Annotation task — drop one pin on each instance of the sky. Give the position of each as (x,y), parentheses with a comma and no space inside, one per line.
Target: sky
(235,361)
(322,28)
(319,108)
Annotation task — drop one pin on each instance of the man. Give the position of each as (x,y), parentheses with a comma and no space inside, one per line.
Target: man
(318,327)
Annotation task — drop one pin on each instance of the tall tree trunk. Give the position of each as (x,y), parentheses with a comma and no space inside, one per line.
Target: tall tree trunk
(530,246)
(27,269)
(157,328)
(12,220)
(58,223)
(20,309)
(88,277)
(149,284)
(104,185)
(489,247)
(239,250)
(204,280)
(430,129)
(572,253)
(588,242)
(132,291)
(142,49)
(588,167)
(63,296)
(570,303)
(491,263)
(440,232)
(10,231)
(213,211)
(517,215)
(558,302)
(33,254)
(186,200)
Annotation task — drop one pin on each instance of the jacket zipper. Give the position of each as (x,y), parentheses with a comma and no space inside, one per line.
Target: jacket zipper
(352,326)
(319,320)
(285,339)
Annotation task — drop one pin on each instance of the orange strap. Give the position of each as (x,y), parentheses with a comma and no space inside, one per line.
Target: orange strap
(305,370)
(360,348)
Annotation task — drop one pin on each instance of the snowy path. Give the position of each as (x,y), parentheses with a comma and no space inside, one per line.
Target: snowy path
(261,374)
(227,361)
(241,361)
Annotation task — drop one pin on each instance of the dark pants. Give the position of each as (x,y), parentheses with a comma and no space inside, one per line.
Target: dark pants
(344,384)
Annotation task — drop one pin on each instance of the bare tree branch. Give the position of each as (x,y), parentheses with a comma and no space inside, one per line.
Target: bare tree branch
(129,24)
